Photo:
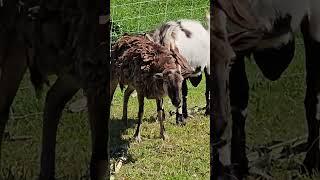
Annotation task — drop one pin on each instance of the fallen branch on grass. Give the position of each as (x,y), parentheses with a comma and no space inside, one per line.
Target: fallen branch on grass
(261,158)
(9,137)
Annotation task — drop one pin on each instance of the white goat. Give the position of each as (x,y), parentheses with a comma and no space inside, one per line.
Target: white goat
(192,40)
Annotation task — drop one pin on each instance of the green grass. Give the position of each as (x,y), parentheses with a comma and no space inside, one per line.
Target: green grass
(185,155)
(132,16)
(276,109)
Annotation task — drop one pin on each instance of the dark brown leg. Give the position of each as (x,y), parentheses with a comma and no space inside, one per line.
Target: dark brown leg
(182,113)
(312,99)
(184,99)
(126,97)
(99,112)
(239,96)
(137,135)
(221,55)
(12,71)
(160,118)
(59,94)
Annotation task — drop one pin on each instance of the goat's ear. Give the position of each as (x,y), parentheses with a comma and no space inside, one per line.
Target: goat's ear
(158,76)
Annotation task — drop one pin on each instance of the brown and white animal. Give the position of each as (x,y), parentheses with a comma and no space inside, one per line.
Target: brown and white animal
(192,41)
(264,28)
(150,69)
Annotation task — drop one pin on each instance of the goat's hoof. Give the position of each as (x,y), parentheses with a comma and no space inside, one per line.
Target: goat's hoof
(207,113)
(189,116)
(45,177)
(181,123)
(164,136)
(185,114)
(311,163)
(137,138)
(231,172)
(180,120)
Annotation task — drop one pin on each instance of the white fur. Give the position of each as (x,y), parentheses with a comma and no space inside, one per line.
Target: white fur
(195,49)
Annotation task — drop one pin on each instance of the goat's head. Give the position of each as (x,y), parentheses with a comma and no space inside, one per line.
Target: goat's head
(172,83)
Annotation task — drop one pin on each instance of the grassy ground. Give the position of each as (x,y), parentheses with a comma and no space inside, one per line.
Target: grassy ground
(276,109)
(186,154)
(275,113)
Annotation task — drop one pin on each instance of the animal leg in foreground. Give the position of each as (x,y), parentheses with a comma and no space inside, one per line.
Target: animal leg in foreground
(13,70)
(312,99)
(59,94)
(221,124)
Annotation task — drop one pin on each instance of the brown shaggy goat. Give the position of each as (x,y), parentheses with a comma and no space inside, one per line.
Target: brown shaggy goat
(150,69)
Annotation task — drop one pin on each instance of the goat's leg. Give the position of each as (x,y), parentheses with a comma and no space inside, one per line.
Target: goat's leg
(99,113)
(113,86)
(126,97)
(208,80)
(312,99)
(59,94)
(184,99)
(181,114)
(137,135)
(220,116)
(12,73)
(160,118)
(239,96)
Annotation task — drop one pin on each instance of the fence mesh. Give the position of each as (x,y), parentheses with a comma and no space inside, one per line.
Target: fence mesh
(129,16)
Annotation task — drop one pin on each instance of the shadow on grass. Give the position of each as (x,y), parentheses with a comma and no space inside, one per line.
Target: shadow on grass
(119,146)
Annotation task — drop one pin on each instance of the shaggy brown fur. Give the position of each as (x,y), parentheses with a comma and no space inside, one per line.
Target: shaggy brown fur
(150,69)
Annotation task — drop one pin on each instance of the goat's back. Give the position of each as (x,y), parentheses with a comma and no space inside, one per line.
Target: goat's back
(136,59)
(189,37)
